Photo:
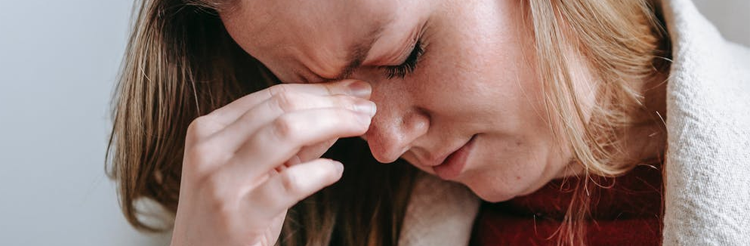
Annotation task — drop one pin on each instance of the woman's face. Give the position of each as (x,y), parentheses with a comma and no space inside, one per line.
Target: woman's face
(473,88)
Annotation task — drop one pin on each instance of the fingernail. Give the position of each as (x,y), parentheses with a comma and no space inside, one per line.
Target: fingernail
(339,167)
(360,89)
(364,106)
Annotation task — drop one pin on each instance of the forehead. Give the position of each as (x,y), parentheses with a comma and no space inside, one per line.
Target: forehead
(290,36)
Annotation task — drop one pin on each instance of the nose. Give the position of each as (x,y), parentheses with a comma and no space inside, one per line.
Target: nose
(395,127)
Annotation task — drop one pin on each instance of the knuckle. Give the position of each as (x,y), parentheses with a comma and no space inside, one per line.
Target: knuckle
(218,195)
(287,101)
(198,161)
(201,126)
(202,153)
(290,183)
(279,89)
(286,128)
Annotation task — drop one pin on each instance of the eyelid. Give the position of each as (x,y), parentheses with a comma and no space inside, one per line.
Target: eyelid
(408,64)
(406,52)
(403,52)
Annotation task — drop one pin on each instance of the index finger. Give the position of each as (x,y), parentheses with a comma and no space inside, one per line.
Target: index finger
(237,108)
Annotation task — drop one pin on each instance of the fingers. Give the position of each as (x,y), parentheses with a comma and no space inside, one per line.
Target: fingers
(235,134)
(313,152)
(291,185)
(230,112)
(277,142)
(237,154)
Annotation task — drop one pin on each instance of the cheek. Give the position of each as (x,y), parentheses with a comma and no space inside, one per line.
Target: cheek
(508,166)
(493,88)
(486,52)
(490,80)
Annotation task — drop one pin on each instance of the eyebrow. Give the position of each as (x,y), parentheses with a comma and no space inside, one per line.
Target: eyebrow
(357,53)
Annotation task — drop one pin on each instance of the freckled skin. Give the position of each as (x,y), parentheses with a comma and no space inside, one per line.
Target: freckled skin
(476,77)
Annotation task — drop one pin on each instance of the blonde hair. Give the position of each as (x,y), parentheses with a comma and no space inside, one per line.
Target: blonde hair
(181,63)
(625,46)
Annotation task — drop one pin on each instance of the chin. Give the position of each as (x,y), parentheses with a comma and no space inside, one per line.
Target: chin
(492,196)
(492,192)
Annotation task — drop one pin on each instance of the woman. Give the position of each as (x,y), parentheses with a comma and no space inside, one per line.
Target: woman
(558,115)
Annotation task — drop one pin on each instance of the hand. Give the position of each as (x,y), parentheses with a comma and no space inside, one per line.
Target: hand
(247,163)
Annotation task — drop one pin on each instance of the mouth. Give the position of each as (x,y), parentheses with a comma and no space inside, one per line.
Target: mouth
(454,164)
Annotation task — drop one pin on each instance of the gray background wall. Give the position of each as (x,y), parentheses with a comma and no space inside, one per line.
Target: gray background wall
(58,62)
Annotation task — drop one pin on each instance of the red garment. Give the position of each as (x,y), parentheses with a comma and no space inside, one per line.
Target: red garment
(627,213)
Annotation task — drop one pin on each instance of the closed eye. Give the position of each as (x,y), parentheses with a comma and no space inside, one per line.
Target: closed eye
(409,64)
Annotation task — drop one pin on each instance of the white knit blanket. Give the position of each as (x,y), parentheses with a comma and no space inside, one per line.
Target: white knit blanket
(707,183)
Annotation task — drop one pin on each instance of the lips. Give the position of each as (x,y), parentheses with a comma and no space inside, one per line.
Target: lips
(452,165)
(438,161)
(433,162)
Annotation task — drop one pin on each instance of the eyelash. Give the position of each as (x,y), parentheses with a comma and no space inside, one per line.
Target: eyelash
(408,66)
